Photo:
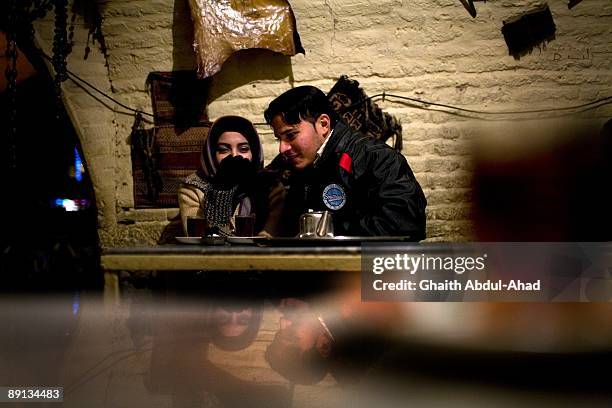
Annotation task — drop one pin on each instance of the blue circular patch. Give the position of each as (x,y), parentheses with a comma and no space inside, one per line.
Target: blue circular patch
(334,197)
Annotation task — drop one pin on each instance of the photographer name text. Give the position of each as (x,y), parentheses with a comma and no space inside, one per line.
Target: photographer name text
(455,285)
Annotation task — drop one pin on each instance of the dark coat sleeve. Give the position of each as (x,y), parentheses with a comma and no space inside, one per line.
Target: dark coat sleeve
(395,203)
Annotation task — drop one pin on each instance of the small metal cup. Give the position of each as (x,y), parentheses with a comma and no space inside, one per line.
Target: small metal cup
(325,227)
(316,224)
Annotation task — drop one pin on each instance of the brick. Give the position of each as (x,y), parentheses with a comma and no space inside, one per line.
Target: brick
(97,140)
(91,68)
(455,179)
(143,215)
(448,196)
(82,101)
(78,87)
(438,147)
(449,212)
(439,230)
(128,85)
(143,233)
(427,164)
(103,178)
(137,8)
(94,115)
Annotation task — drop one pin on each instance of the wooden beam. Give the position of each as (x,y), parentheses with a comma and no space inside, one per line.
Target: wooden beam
(235,262)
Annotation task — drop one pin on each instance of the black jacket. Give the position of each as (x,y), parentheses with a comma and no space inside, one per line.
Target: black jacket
(369,188)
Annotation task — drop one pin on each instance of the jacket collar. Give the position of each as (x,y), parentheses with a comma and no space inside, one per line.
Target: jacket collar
(333,144)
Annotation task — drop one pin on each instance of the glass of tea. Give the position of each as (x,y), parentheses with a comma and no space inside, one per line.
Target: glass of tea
(245,225)
(196,226)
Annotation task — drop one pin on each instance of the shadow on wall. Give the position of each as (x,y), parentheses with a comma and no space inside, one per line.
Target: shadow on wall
(248,66)
(183,55)
(243,67)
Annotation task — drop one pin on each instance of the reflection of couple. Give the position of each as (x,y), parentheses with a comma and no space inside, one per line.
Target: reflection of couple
(307,346)
(180,365)
(341,336)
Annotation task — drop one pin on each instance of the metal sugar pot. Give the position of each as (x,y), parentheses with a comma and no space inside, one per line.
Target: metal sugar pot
(316,224)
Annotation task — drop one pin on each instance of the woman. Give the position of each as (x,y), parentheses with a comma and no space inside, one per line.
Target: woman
(229,182)
(234,325)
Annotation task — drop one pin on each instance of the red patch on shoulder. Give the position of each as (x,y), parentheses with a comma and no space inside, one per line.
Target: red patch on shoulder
(346,162)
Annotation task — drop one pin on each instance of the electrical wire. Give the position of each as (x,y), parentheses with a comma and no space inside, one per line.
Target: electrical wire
(595,102)
(598,102)
(425,104)
(124,106)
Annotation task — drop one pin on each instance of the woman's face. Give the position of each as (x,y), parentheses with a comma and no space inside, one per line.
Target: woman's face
(232,144)
(232,323)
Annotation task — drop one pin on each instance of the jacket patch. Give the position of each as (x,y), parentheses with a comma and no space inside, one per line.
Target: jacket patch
(346,162)
(334,197)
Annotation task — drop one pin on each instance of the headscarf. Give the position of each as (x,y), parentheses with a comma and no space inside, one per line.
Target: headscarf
(238,124)
(219,205)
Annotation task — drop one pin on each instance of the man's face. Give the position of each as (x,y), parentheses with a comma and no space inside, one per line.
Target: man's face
(298,144)
(300,347)
(298,326)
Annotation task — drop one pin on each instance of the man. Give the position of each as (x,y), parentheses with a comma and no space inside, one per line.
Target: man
(301,347)
(367,186)
(344,337)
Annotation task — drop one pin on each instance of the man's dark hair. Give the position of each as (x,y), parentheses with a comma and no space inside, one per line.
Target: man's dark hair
(301,103)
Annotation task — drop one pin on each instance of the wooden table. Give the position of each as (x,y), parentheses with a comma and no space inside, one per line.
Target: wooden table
(225,258)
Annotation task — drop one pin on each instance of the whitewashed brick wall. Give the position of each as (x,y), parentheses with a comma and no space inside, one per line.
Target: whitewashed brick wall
(428,49)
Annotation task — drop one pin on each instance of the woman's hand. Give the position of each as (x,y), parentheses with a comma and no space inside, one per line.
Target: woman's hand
(234,170)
